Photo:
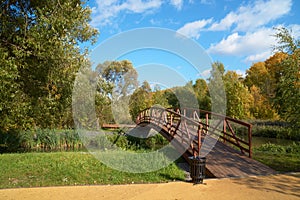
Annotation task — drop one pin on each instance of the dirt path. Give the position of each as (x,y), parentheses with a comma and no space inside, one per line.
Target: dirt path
(270,187)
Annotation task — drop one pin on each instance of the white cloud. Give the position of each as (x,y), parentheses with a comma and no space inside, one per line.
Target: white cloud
(256,15)
(245,45)
(107,10)
(241,72)
(295,30)
(155,22)
(205,74)
(258,57)
(177,3)
(225,23)
(192,29)
(208,2)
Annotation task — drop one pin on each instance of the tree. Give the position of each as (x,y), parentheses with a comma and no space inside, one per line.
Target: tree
(274,72)
(159,98)
(39,42)
(202,93)
(288,88)
(117,80)
(217,89)
(262,80)
(140,100)
(258,75)
(84,98)
(261,108)
(182,97)
(239,100)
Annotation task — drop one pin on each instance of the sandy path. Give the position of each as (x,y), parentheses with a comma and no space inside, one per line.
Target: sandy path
(269,187)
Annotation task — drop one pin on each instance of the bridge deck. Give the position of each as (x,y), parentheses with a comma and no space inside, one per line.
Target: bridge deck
(188,130)
(224,161)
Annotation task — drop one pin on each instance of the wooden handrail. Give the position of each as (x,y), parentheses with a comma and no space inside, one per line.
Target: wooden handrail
(192,129)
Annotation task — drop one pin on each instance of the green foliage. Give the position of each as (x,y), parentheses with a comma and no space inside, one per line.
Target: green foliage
(281,162)
(288,90)
(159,98)
(293,149)
(217,88)
(182,97)
(261,108)
(116,81)
(279,157)
(140,100)
(116,78)
(84,99)
(41,140)
(258,75)
(39,59)
(239,100)
(127,142)
(274,129)
(201,90)
(70,140)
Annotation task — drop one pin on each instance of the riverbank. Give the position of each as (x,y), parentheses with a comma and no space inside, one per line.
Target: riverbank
(281,186)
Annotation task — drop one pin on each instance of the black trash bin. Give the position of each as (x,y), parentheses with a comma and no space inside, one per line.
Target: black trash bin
(197,169)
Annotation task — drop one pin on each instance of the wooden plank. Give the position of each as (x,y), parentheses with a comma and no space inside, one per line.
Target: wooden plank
(224,161)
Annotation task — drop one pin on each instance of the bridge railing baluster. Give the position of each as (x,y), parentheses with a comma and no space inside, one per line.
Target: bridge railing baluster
(176,122)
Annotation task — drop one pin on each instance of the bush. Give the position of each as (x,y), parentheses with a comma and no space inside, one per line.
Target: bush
(40,140)
(274,129)
(128,142)
(274,148)
(62,140)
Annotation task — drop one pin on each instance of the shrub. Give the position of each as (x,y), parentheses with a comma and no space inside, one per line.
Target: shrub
(274,148)
(62,140)
(274,129)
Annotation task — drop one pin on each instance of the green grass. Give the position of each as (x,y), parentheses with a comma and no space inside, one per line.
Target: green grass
(279,162)
(71,168)
(282,158)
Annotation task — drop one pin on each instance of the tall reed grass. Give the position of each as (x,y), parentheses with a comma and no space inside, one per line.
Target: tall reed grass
(41,140)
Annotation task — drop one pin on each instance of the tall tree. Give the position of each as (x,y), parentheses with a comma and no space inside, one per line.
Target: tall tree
(140,100)
(117,80)
(202,93)
(258,75)
(216,88)
(262,80)
(159,98)
(39,42)
(117,77)
(273,65)
(261,108)
(288,89)
(239,100)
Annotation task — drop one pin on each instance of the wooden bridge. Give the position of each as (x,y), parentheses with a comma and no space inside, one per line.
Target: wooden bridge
(224,141)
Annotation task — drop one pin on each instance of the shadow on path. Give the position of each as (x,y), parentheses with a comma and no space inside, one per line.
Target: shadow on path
(288,184)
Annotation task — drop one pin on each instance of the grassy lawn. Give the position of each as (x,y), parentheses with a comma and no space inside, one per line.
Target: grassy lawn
(281,162)
(82,168)
(283,158)
(71,168)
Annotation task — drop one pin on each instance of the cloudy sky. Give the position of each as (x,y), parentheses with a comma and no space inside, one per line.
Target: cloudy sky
(236,33)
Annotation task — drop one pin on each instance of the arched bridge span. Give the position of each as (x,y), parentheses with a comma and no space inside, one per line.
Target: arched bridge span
(226,142)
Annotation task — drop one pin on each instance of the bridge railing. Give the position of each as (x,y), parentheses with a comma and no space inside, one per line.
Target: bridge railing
(233,132)
(190,126)
(187,132)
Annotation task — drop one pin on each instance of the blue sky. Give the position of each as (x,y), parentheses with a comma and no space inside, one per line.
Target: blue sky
(236,33)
